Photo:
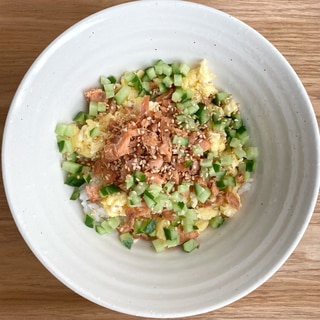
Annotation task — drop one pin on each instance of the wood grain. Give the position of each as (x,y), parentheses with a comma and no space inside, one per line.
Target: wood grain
(27,289)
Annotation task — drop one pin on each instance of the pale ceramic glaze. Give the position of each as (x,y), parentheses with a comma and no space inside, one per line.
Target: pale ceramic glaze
(232,261)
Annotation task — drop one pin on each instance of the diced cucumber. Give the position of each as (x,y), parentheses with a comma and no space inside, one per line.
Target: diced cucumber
(171,233)
(71,167)
(158,67)
(139,176)
(107,226)
(134,200)
(102,107)
(251,153)
(162,202)
(93,108)
(243,135)
(177,94)
(75,180)
(239,152)
(226,182)
(220,97)
(177,79)
(86,177)
(129,181)
(127,239)
(184,187)
(216,167)
(64,129)
(235,142)
(114,222)
(89,221)
(231,132)
(250,165)
(216,222)
(122,94)
(220,174)
(80,117)
(94,132)
(150,227)
(178,140)
(230,181)
(190,245)
(207,163)
(151,73)
(75,194)
(216,116)
(175,68)
(197,150)
(112,79)
(187,224)
(154,189)
(104,80)
(178,207)
(159,245)
(166,69)
(145,86)
(65,145)
(162,87)
(136,83)
(173,243)
(187,95)
(203,193)
(187,121)
(203,114)
(102,230)
(191,214)
(109,90)
(226,159)
(128,76)
(168,187)
(167,81)
(176,197)
(191,106)
(108,189)
(138,226)
(149,199)
(188,107)
(184,69)
(140,188)
(237,121)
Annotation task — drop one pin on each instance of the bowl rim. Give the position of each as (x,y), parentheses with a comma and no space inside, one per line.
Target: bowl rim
(81,23)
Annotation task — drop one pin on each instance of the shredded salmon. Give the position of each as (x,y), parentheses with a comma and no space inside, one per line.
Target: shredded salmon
(93,193)
(97,95)
(233,200)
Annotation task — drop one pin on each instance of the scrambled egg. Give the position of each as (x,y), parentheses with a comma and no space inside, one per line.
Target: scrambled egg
(104,119)
(228,210)
(201,225)
(234,164)
(231,107)
(217,141)
(200,81)
(206,213)
(83,143)
(114,204)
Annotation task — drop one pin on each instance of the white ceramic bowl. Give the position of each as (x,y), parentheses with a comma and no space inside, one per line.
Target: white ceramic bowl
(230,262)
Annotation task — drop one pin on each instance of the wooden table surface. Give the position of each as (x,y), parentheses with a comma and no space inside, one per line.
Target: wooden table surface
(27,289)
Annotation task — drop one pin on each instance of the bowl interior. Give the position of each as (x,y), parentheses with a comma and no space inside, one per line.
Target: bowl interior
(231,261)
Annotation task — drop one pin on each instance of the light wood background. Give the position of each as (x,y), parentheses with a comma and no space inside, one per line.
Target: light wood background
(27,289)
